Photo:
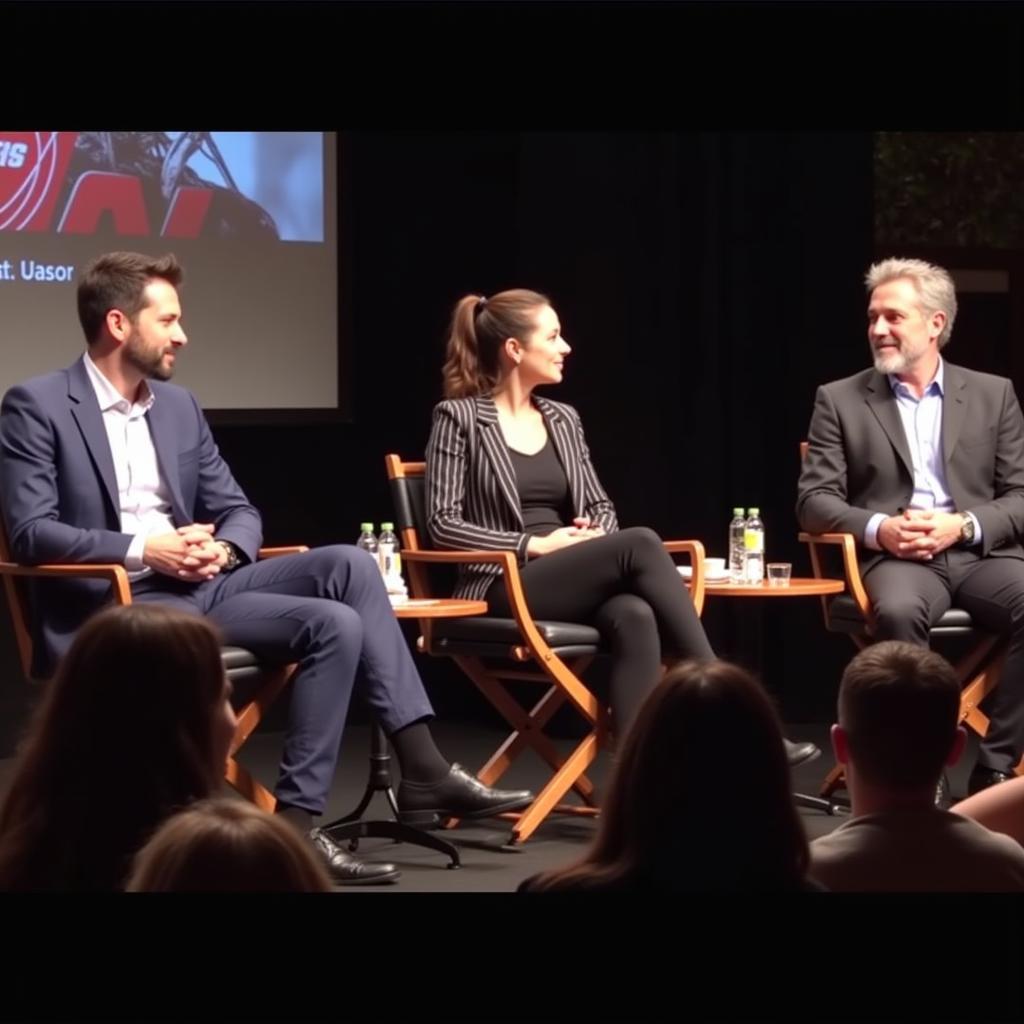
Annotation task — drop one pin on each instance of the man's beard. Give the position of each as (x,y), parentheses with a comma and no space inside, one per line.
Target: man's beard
(899,361)
(148,362)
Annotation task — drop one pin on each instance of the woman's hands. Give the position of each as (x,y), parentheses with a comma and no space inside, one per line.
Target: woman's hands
(563,537)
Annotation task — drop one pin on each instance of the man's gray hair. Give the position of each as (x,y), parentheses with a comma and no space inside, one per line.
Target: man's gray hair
(935,289)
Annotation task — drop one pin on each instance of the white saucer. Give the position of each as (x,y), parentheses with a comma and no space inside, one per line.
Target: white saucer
(686,571)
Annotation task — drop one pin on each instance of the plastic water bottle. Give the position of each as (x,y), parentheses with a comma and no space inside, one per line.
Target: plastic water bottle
(390,562)
(753,548)
(367,541)
(735,549)
(388,552)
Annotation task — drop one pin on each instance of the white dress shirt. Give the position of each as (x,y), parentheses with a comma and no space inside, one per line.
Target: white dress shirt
(143,499)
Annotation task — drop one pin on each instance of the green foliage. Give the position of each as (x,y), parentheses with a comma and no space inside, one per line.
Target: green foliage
(950,189)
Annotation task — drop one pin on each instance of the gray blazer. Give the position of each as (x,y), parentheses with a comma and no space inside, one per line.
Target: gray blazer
(472,498)
(859,462)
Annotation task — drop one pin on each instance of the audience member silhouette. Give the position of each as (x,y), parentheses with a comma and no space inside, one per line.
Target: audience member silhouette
(678,815)
(135,726)
(227,845)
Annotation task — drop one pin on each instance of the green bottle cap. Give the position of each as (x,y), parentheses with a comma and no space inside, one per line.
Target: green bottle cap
(755,511)
(366,527)
(387,527)
(737,511)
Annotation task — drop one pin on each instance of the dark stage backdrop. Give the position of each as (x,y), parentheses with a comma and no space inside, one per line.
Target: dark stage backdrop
(706,281)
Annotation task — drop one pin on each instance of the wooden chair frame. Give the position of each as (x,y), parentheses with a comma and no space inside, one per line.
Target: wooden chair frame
(272,678)
(532,659)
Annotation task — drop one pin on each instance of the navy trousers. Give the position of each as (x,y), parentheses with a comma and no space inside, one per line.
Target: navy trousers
(328,610)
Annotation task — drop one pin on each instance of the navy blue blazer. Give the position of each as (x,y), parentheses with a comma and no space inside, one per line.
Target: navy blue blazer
(58,491)
(472,498)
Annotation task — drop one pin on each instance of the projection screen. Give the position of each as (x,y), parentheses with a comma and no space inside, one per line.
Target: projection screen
(251,215)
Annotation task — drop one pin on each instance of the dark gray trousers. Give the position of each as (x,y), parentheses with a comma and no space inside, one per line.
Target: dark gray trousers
(909,597)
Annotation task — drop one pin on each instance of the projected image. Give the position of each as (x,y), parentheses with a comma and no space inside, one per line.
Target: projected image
(250,215)
(231,185)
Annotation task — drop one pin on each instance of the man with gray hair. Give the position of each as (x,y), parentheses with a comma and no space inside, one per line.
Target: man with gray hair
(923,462)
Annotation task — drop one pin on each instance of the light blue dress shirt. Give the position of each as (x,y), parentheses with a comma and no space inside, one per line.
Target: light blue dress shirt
(922,425)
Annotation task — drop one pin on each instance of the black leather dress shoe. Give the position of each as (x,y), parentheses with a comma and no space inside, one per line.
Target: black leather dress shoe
(982,777)
(798,753)
(457,795)
(346,869)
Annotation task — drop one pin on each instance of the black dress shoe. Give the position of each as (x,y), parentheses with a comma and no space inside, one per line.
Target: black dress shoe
(799,753)
(942,800)
(982,777)
(346,869)
(457,795)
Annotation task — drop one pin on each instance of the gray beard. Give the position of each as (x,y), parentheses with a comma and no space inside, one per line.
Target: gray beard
(898,363)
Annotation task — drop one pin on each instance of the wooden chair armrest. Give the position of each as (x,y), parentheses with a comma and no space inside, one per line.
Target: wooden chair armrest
(418,578)
(844,539)
(420,582)
(459,557)
(851,567)
(295,549)
(695,549)
(115,574)
(506,559)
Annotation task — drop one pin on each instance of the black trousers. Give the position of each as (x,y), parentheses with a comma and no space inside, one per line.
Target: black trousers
(908,597)
(626,585)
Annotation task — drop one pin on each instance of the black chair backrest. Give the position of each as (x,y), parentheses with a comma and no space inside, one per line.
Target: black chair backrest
(409,498)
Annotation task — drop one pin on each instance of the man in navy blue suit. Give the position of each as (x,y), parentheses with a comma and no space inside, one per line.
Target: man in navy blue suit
(107,462)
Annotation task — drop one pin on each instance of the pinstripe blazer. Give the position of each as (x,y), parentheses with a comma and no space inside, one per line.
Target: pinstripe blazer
(472,497)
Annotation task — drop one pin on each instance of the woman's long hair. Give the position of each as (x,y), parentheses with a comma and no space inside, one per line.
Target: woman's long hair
(227,845)
(124,736)
(700,798)
(479,328)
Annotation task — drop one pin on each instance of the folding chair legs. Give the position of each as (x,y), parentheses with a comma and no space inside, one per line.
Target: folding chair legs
(245,785)
(557,786)
(527,726)
(249,716)
(527,733)
(836,779)
(976,691)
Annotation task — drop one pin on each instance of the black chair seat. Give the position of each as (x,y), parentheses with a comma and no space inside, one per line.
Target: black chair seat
(245,671)
(237,658)
(845,617)
(496,631)
(484,635)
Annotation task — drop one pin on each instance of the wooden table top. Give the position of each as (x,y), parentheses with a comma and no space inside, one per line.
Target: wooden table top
(798,587)
(438,608)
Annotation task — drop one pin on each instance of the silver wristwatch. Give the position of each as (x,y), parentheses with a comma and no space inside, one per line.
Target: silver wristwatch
(966,529)
(233,561)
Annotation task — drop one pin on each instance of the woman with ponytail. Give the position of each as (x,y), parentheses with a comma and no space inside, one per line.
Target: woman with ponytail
(508,469)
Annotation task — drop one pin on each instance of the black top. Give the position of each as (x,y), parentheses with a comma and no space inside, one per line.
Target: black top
(543,490)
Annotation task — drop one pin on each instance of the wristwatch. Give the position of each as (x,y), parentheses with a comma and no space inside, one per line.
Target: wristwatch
(966,529)
(231,551)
